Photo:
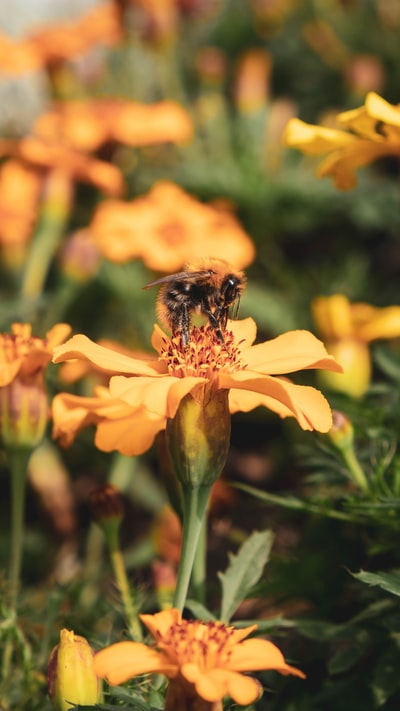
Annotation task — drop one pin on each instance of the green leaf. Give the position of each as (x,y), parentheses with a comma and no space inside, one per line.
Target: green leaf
(244,571)
(387,581)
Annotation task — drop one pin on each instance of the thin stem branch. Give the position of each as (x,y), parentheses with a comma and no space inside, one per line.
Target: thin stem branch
(195,502)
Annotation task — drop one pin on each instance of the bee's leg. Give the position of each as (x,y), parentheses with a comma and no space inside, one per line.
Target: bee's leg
(215,323)
(183,323)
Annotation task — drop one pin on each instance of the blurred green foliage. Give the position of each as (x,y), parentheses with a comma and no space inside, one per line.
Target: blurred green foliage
(340,625)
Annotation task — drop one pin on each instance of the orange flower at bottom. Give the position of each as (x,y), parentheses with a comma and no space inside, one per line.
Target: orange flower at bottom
(204,660)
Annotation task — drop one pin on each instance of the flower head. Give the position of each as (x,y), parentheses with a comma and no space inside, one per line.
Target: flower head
(59,42)
(373,132)
(23,399)
(204,660)
(348,328)
(20,188)
(167,228)
(86,125)
(45,155)
(129,413)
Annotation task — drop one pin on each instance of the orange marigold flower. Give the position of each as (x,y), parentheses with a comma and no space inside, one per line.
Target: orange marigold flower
(203,660)
(23,399)
(166,228)
(59,42)
(86,125)
(132,410)
(43,155)
(20,187)
(348,329)
(374,131)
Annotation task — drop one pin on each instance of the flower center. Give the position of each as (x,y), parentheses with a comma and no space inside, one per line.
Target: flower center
(173,233)
(204,355)
(207,645)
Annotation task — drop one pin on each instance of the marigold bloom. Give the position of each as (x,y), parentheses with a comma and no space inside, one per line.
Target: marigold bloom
(23,400)
(374,131)
(203,660)
(20,187)
(86,125)
(43,155)
(59,42)
(348,329)
(166,228)
(132,410)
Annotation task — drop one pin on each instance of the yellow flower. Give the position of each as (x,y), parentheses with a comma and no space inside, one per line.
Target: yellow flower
(374,131)
(203,660)
(23,399)
(132,410)
(348,329)
(167,228)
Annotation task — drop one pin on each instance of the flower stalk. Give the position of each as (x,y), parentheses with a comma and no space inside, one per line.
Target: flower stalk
(107,510)
(342,436)
(55,213)
(198,441)
(195,501)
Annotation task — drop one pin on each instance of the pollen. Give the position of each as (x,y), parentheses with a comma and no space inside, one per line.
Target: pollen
(204,355)
(207,645)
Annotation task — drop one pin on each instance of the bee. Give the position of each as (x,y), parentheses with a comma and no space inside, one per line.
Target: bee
(209,287)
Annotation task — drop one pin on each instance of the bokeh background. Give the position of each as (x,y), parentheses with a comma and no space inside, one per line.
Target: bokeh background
(241,69)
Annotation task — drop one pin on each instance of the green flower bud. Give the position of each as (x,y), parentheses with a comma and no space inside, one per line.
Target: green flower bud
(198,436)
(71,678)
(107,508)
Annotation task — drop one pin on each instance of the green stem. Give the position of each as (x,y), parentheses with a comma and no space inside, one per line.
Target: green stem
(18,459)
(18,465)
(126,593)
(356,471)
(199,565)
(54,216)
(194,500)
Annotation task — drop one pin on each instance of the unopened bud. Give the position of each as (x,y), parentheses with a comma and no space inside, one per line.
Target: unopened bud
(71,676)
(107,509)
(198,437)
(24,412)
(342,432)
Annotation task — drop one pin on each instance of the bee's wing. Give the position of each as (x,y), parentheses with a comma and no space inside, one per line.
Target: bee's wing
(180,276)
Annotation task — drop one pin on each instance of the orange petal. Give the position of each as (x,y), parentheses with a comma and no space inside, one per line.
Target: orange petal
(292,351)
(258,654)
(160,623)
(305,403)
(244,331)
(131,435)
(124,660)
(209,686)
(243,689)
(109,360)
(150,393)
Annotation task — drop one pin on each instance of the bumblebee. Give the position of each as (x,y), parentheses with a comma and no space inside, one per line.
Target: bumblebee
(209,287)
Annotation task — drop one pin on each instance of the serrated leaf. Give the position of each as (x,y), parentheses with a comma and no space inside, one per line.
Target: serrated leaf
(244,571)
(387,581)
